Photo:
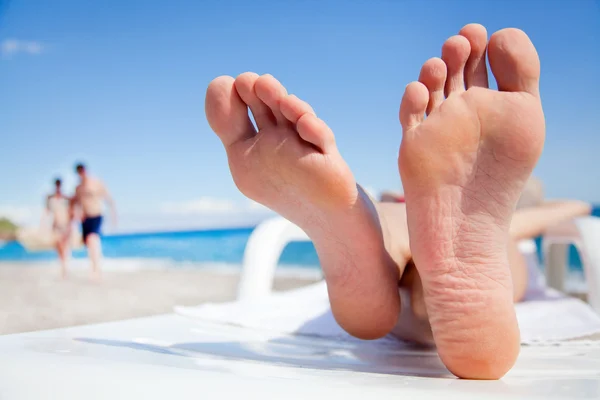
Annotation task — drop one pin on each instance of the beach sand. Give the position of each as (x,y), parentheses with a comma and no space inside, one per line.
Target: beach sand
(35,297)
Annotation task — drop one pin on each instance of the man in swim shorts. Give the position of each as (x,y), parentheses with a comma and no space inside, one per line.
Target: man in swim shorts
(88,201)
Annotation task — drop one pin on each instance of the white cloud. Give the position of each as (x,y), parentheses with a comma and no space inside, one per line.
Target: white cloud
(20,214)
(201,213)
(212,205)
(10,47)
(203,205)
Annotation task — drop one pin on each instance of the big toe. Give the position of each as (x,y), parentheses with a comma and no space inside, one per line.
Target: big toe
(514,61)
(226,113)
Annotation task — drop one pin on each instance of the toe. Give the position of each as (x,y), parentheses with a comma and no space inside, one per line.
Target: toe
(455,53)
(316,132)
(293,108)
(245,86)
(476,69)
(433,76)
(414,103)
(514,61)
(310,128)
(227,114)
(271,92)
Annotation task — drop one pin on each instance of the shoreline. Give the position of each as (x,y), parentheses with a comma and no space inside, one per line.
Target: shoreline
(36,298)
(132,264)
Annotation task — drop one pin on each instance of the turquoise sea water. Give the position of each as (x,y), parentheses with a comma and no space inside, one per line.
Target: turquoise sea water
(196,247)
(224,246)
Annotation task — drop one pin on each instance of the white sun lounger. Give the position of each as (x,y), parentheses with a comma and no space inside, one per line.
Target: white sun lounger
(269,239)
(584,234)
(172,356)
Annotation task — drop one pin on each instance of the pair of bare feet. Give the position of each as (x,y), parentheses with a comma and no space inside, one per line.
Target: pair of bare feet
(462,168)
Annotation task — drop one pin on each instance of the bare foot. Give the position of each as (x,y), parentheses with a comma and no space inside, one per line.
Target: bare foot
(463,169)
(292,165)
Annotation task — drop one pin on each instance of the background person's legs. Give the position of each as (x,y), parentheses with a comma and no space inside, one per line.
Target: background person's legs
(91,236)
(94,248)
(61,237)
(62,250)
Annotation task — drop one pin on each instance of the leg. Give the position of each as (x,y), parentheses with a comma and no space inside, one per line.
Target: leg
(94,247)
(534,221)
(413,322)
(292,165)
(463,169)
(518,270)
(62,250)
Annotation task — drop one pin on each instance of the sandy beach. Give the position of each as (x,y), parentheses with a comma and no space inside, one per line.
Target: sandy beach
(34,297)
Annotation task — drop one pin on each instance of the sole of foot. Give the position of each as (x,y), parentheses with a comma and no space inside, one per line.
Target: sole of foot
(463,168)
(290,163)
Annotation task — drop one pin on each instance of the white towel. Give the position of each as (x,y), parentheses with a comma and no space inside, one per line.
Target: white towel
(306,311)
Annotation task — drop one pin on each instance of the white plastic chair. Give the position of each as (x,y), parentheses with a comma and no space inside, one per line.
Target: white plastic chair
(584,234)
(269,239)
(265,245)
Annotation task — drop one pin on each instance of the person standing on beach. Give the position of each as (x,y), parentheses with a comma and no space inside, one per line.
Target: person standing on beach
(57,206)
(90,196)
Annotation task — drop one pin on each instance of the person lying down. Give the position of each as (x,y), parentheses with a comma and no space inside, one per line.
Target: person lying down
(443,266)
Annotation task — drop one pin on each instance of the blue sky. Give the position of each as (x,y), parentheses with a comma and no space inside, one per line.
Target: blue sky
(120,85)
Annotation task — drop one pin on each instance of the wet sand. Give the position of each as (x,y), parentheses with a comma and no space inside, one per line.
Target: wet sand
(34,297)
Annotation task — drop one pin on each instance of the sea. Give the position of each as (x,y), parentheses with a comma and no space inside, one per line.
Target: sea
(207,248)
